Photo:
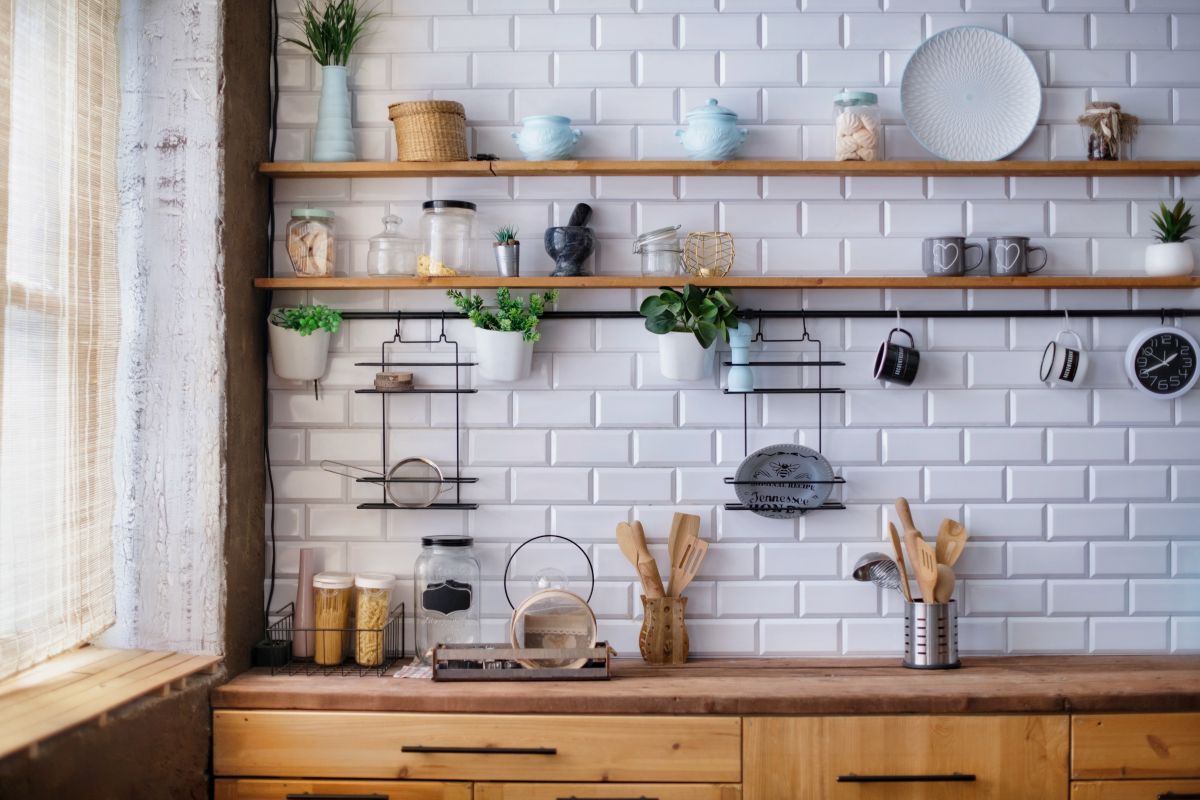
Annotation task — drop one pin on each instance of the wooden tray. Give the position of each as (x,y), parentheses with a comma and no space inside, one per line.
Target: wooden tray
(500,662)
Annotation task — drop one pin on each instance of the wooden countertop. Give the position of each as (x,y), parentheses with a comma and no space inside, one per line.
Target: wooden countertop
(765,686)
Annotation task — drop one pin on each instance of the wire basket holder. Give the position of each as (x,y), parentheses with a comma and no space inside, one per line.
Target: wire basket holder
(284,630)
(819,390)
(385,477)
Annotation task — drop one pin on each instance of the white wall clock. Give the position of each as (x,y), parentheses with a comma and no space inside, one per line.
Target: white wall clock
(1162,362)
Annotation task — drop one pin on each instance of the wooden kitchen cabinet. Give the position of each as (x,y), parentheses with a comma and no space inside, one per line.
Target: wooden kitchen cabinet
(1135,746)
(1135,790)
(255,789)
(606,791)
(905,757)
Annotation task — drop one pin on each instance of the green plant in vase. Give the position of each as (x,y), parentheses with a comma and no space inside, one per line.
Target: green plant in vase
(689,322)
(1172,255)
(508,251)
(504,335)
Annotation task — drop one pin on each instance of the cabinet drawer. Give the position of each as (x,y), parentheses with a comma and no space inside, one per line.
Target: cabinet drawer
(340,790)
(607,791)
(1135,746)
(906,758)
(1135,790)
(343,744)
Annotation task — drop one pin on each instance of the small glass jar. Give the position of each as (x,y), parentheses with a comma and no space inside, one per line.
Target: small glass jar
(661,252)
(447,593)
(447,238)
(331,593)
(857,133)
(389,253)
(373,595)
(310,242)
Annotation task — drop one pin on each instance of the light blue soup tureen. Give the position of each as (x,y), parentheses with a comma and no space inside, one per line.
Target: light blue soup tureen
(712,133)
(547,137)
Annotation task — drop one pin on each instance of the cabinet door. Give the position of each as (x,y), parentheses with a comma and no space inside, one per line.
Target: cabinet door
(1135,746)
(905,758)
(607,791)
(250,789)
(1135,790)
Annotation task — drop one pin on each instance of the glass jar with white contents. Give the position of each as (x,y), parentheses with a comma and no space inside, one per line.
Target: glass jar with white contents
(857,133)
(447,238)
(447,593)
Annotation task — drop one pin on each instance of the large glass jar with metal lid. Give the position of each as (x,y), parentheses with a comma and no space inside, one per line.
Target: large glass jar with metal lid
(660,251)
(447,237)
(389,253)
(857,135)
(446,578)
(310,242)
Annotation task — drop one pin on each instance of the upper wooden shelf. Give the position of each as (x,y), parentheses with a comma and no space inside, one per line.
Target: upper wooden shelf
(737,281)
(449,169)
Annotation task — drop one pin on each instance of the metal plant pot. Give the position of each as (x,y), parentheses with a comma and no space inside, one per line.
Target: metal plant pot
(508,259)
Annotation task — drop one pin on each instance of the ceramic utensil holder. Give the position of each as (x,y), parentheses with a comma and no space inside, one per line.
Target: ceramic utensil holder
(664,637)
(931,635)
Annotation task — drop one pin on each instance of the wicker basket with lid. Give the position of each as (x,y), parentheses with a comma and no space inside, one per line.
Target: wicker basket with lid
(429,130)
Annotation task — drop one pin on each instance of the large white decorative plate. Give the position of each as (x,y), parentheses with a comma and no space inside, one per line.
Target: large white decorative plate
(970,94)
(783,480)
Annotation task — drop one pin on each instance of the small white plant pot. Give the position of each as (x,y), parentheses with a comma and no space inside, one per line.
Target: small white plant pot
(1166,259)
(296,357)
(681,358)
(503,355)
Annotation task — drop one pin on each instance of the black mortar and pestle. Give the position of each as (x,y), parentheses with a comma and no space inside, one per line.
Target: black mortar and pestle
(571,244)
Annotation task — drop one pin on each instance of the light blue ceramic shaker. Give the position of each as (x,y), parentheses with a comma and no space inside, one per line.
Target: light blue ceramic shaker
(741,377)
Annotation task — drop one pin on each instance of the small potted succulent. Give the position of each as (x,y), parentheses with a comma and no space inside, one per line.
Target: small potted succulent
(504,335)
(689,323)
(508,251)
(1172,255)
(300,340)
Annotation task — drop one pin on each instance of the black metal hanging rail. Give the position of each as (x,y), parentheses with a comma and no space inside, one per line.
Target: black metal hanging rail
(823,313)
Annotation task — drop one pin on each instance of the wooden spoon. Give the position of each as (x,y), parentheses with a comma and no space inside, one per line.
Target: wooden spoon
(952,538)
(905,514)
(944,589)
(904,587)
(628,540)
(925,565)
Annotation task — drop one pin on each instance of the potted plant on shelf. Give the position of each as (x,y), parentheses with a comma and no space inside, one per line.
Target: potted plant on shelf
(1172,255)
(508,251)
(330,35)
(300,340)
(504,335)
(689,323)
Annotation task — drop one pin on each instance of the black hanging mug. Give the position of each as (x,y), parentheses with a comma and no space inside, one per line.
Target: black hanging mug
(897,363)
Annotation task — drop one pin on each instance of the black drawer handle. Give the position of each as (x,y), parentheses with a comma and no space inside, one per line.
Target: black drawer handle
(482,751)
(335,796)
(1178,796)
(957,777)
(639,797)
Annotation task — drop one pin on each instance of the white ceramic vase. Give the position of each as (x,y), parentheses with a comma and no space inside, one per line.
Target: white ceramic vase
(296,357)
(1166,259)
(334,139)
(681,358)
(503,355)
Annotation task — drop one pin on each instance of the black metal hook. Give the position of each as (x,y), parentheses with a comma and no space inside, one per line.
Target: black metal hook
(442,335)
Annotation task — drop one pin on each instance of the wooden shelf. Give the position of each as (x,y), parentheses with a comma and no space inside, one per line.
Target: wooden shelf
(416,169)
(737,281)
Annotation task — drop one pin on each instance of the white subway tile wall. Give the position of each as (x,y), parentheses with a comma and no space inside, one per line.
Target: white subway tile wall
(1084,504)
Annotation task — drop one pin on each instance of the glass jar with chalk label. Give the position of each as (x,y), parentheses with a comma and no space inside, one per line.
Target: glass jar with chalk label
(446,584)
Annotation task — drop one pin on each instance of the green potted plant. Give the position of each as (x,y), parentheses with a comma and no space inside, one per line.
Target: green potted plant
(504,335)
(508,251)
(1172,255)
(689,322)
(330,34)
(300,340)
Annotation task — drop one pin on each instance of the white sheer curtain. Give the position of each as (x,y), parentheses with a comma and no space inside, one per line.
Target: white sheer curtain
(59,323)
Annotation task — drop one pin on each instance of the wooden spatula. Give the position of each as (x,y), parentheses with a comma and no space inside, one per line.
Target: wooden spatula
(692,552)
(925,565)
(904,587)
(673,536)
(944,589)
(685,528)
(952,538)
(647,567)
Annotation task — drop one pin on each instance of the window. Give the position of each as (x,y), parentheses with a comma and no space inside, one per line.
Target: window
(58,323)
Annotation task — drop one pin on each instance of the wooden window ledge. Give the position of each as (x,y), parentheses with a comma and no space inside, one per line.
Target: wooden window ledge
(86,685)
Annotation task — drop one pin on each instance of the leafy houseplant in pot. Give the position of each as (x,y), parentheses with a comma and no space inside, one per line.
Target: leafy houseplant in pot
(300,340)
(1172,255)
(689,323)
(504,335)
(330,35)
(508,251)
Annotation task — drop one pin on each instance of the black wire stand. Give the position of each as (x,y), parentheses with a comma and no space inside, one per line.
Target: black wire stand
(819,363)
(283,631)
(457,479)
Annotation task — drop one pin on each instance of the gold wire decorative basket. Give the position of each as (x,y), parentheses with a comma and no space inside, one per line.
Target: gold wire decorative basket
(708,254)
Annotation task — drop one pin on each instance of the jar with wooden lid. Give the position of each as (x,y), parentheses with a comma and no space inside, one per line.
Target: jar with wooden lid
(373,592)
(331,595)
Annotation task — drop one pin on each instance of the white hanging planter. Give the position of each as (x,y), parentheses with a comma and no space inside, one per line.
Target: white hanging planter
(503,355)
(1167,259)
(296,357)
(681,358)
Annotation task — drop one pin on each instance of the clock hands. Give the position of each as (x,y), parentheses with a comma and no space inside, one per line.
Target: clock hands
(1160,363)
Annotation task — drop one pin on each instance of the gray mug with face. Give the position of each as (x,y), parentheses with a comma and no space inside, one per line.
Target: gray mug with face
(1008,256)
(946,256)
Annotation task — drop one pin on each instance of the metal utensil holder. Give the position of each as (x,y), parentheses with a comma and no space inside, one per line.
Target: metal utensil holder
(931,635)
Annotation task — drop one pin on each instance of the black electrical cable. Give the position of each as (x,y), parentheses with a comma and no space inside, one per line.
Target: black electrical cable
(271,271)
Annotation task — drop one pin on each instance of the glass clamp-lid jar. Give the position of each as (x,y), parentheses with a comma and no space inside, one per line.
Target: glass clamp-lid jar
(373,595)
(390,253)
(447,593)
(660,250)
(310,242)
(447,238)
(331,595)
(857,132)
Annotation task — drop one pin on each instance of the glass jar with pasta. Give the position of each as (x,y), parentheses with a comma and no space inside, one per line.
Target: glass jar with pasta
(374,595)
(331,595)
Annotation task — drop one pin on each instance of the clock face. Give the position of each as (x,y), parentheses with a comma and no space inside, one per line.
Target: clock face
(1163,362)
